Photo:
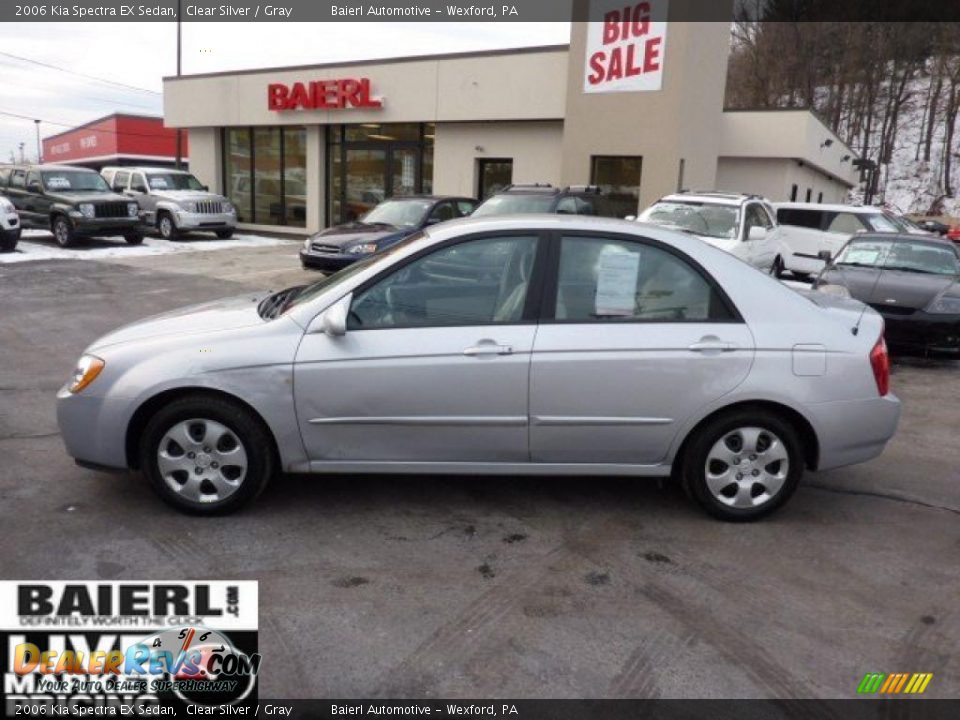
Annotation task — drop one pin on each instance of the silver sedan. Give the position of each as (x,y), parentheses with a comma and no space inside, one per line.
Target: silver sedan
(542,345)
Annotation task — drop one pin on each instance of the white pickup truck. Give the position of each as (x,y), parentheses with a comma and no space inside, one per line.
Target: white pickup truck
(808,229)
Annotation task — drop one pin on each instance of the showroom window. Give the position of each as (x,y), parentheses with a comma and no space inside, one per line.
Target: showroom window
(265,170)
(618,178)
(610,280)
(370,162)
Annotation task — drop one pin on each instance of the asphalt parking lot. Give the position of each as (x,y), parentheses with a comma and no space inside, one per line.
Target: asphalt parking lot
(508,587)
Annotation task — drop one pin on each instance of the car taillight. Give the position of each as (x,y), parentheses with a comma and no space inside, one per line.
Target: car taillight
(880,362)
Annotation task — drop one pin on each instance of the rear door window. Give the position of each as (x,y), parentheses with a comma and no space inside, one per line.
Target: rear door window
(800,217)
(845,223)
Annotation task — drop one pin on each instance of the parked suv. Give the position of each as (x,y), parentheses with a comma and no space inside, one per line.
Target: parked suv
(72,202)
(545,198)
(743,225)
(9,224)
(173,201)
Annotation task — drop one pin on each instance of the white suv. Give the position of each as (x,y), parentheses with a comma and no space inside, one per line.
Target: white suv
(743,225)
(9,226)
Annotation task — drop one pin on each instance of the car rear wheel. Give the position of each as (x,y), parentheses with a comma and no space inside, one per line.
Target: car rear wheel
(63,231)
(166,226)
(206,455)
(744,465)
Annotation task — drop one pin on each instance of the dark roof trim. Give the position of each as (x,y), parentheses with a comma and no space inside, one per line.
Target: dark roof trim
(377,61)
(111,116)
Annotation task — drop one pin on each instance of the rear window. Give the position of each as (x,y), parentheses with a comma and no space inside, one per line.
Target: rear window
(797,217)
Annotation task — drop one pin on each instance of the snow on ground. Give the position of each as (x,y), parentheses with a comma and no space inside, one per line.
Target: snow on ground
(40,245)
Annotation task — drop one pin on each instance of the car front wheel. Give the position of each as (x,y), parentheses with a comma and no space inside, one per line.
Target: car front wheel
(743,465)
(133,238)
(206,455)
(63,231)
(224,234)
(166,226)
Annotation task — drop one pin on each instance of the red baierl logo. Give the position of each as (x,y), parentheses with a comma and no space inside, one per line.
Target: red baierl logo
(322,95)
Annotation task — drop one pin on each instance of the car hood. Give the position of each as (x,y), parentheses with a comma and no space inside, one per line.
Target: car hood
(188,196)
(354,233)
(93,197)
(893,288)
(227,314)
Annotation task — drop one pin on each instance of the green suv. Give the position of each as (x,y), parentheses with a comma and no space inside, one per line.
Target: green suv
(71,202)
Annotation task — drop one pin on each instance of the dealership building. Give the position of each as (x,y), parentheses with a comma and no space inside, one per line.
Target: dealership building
(117,139)
(635,108)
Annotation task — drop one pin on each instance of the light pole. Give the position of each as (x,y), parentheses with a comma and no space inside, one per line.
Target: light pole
(179,68)
(39,153)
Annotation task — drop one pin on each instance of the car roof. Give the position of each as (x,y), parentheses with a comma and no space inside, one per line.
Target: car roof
(143,168)
(27,166)
(727,199)
(827,207)
(904,237)
(435,198)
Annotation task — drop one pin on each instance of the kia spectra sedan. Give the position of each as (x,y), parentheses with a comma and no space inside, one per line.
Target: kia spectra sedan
(544,345)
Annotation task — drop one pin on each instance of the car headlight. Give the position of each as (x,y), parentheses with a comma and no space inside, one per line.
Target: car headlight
(88,367)
(86,209)
(838,290)
(228,207)
(189,206)
(133,209)
(6,205)
(363,249)
(945,305)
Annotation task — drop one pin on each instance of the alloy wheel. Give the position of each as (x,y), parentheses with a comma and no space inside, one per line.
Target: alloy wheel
(747,467)
(166,227)
(202,460)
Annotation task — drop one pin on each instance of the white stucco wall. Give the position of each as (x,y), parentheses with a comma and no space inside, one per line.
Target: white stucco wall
(535,148)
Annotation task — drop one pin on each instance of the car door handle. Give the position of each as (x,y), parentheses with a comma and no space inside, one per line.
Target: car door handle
(488,348)
(704,346)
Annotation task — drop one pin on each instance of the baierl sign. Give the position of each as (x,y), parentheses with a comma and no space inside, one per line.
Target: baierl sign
(625,46)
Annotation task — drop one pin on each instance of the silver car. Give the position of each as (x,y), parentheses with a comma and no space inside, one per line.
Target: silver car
(544,345)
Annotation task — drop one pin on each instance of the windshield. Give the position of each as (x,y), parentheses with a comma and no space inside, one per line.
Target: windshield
(309,292)
(883,223)
(710,220)
(73,180)
(173,181)
(399,213)
(920,257)
(515,205)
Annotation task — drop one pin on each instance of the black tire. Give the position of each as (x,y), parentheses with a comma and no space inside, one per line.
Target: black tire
(715,431)
(167,227)
(776,270)
(253,438)
(133,238)
(225,234)
(63,231)
(8,243)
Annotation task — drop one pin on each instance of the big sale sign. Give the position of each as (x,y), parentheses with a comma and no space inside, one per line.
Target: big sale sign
(625,46)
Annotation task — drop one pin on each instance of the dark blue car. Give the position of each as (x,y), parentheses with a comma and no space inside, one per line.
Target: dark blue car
(388,223)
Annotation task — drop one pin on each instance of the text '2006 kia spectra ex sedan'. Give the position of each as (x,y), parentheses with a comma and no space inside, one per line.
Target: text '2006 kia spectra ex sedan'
(537,344)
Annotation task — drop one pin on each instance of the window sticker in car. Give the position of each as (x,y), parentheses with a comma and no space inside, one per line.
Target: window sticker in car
(58,183)
(159,183)
(862,255)
(617,276)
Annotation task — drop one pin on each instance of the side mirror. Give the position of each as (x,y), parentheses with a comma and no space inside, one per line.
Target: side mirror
(205,188)
(34,187)
(757,232)
(334,321)
(432,221)
(825,256)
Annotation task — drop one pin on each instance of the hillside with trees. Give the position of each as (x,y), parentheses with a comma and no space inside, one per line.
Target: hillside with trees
(890,90)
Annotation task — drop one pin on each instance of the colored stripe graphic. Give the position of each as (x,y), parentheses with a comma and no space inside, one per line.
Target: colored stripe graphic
(894,683)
